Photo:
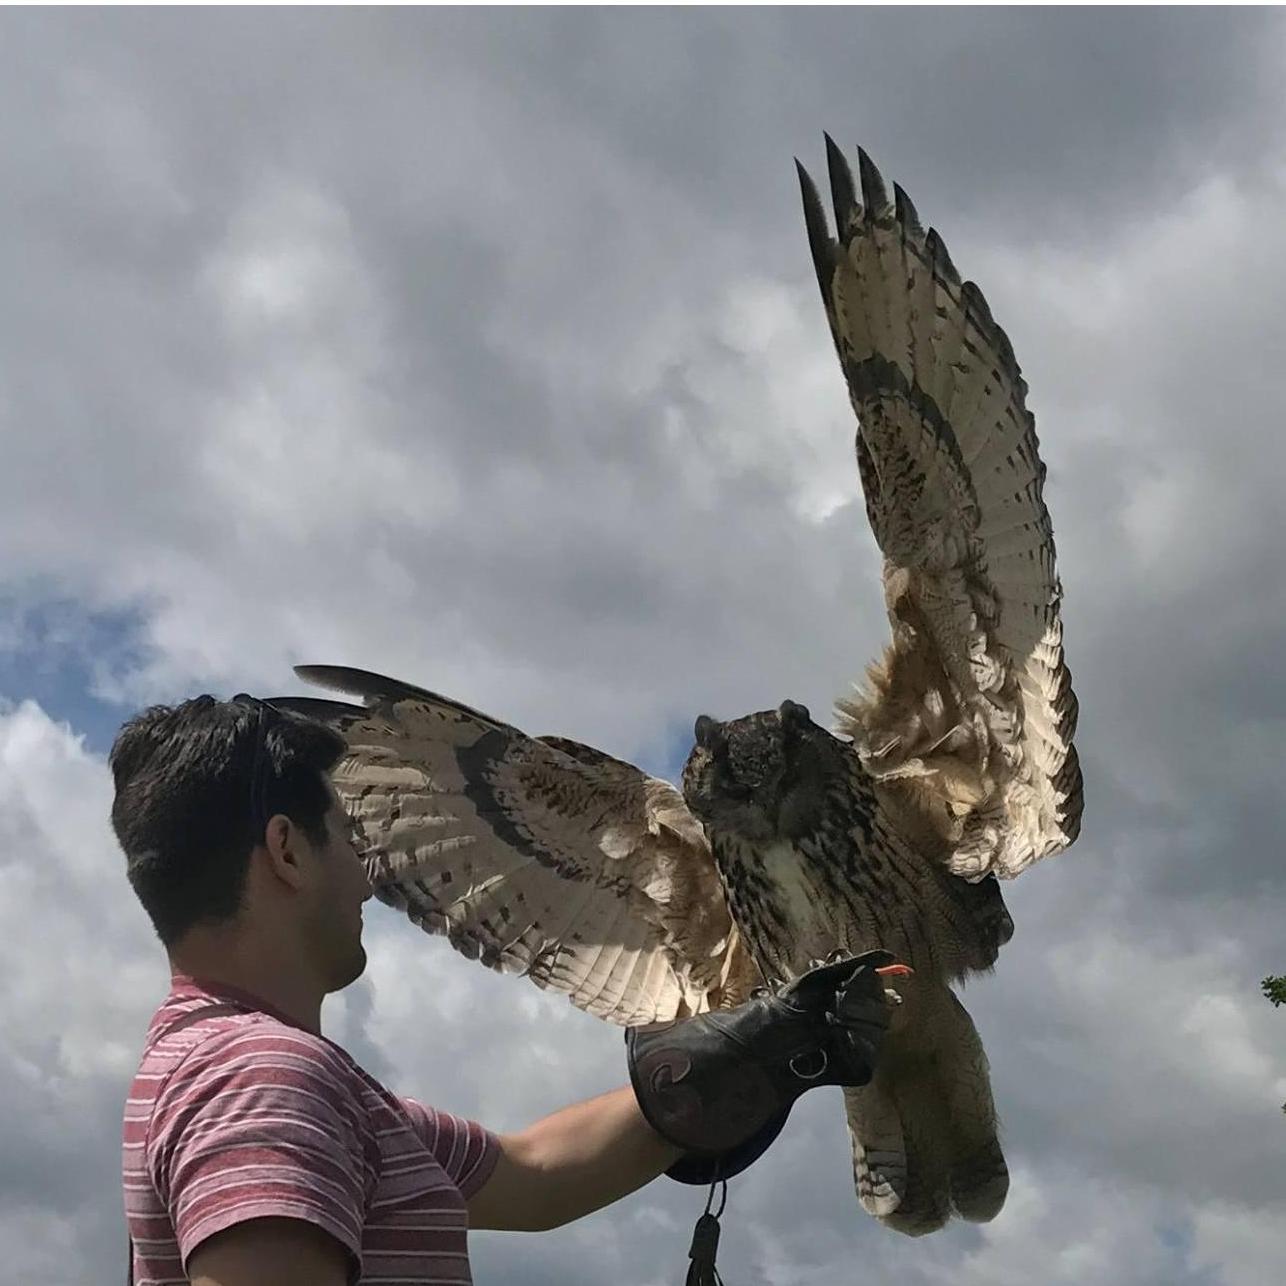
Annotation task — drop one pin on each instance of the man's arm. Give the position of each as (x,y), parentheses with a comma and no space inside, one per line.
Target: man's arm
(740,1068)
(569,1164)
(271,1252)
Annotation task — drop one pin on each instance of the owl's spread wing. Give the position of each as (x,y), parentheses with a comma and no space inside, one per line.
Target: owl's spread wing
(968,719)
(540,857)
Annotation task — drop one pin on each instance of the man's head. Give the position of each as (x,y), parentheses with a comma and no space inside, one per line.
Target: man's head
(229,823)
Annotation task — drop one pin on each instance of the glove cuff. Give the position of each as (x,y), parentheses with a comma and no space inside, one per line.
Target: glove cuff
(702,1169)
(697,1088)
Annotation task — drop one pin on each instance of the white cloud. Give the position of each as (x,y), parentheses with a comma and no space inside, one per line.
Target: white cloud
(447,352)
(1239,1247)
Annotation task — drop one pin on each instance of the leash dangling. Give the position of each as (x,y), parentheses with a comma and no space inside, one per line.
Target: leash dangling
(705,1241)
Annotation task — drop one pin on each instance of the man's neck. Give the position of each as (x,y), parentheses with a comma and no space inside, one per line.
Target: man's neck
(269,974)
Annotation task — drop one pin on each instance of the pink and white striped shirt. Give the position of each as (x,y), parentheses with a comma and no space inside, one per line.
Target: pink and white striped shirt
(244,1115)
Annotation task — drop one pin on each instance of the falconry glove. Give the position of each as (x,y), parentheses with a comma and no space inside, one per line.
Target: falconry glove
(722,1084)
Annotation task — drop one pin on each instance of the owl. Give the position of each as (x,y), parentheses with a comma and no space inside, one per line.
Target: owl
(950,770)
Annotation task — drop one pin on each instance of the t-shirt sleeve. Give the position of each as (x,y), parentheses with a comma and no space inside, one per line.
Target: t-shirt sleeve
(464,1149)
(255,1123)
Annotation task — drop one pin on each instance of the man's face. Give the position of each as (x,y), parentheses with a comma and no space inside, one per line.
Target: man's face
(336,923)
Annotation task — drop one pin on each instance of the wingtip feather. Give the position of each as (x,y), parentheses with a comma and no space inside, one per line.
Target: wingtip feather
(908,216)
(848,209)
(358,683)
(941,259)
(377,688)
(820,242)
(319,709)
(875,194)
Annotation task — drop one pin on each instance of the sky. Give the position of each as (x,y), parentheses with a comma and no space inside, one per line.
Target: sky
(484,349)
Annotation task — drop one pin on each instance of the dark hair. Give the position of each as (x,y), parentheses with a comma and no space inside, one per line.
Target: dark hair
(195,786)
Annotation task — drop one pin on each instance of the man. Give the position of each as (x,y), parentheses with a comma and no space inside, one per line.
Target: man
(256,1151)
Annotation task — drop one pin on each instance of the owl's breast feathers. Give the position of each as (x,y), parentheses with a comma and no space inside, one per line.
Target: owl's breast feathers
(852,882)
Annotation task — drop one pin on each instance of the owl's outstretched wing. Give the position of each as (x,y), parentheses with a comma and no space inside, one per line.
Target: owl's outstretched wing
(540,857)
(968,720)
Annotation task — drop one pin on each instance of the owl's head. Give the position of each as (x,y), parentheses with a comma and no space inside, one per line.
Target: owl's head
(763,777)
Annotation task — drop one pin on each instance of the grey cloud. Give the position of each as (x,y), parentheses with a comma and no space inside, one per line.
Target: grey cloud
(485,350)
(1040,106)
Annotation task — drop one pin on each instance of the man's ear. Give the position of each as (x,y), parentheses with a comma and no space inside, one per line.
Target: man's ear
(286,847)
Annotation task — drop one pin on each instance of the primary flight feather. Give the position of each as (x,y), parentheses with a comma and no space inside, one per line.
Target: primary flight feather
(786,845)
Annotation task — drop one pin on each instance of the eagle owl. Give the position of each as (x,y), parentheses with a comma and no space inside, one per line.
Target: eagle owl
(787,844)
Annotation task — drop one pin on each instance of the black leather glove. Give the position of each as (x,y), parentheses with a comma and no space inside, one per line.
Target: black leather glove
(721,1085)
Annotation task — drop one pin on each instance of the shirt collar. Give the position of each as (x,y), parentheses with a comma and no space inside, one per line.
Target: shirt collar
(184,986)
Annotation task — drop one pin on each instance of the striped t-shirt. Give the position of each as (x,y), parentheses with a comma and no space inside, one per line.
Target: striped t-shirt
(245,1115)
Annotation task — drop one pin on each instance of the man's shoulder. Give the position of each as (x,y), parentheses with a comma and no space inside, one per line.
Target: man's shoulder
(199,1047)
(251,1040)
(240,1080)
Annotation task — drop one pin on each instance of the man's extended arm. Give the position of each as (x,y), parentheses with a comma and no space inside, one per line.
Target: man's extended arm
(708,1095)
(569,1164)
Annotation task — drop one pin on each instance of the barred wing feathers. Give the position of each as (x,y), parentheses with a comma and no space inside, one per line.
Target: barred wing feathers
(969,717)
(540,857)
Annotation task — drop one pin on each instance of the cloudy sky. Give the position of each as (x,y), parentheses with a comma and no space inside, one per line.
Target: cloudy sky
(484,349)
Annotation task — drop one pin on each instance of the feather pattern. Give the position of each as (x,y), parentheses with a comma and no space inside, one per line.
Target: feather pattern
(970,715)
(541,857)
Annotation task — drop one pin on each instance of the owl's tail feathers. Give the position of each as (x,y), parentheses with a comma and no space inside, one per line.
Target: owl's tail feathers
(924,1130)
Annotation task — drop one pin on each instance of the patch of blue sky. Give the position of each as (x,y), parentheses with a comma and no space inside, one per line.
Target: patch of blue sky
(54,650)
(1178,1241)
(666,759)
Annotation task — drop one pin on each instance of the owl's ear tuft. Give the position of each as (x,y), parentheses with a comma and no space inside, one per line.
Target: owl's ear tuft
(794,717)
(710,734)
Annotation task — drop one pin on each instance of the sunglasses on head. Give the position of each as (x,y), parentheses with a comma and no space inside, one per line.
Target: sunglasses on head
(258,775)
